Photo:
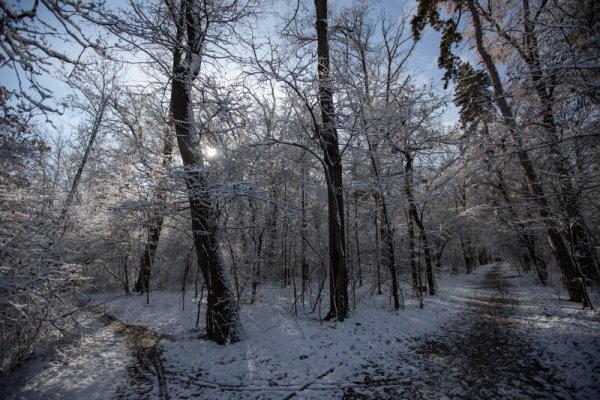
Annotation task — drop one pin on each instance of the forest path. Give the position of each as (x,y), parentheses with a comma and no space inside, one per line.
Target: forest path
(147,372)
(483,354)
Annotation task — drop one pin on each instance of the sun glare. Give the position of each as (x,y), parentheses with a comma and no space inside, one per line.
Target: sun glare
(210,152)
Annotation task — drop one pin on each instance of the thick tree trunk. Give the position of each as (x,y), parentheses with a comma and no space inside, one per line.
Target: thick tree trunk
(557,244)
(328,136)
(223,323)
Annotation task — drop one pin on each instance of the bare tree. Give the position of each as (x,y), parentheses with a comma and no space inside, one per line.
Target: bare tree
(193,27)
(192,20)
(328,138)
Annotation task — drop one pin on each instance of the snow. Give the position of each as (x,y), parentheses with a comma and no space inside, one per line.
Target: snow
(91,368)
(286,355)
(569,335)
(283,353)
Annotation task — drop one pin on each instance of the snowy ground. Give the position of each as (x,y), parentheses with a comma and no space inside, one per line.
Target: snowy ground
(436,352)
(91,368)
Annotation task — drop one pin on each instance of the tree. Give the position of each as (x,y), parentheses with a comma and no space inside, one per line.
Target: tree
(194,28)
(363,87)
(328,138)
(143,115)
(192,21)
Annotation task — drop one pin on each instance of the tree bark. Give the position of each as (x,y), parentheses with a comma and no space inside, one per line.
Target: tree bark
(416,276)
(303,233)
(223,323)
(328,137)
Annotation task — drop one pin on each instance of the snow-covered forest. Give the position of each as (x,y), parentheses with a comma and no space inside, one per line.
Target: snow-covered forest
(299,199)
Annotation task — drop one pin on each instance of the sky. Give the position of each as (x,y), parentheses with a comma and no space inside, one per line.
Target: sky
(423,63)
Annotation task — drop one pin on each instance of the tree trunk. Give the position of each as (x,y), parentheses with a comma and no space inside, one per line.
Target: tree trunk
(223,323)
(142,284)
(257,240)
(272,231)
(428,263)
(416,276)
(64,214)
(357,241)
(377,249)
(303,235)
(328,137)
(412,213)
(387,233)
